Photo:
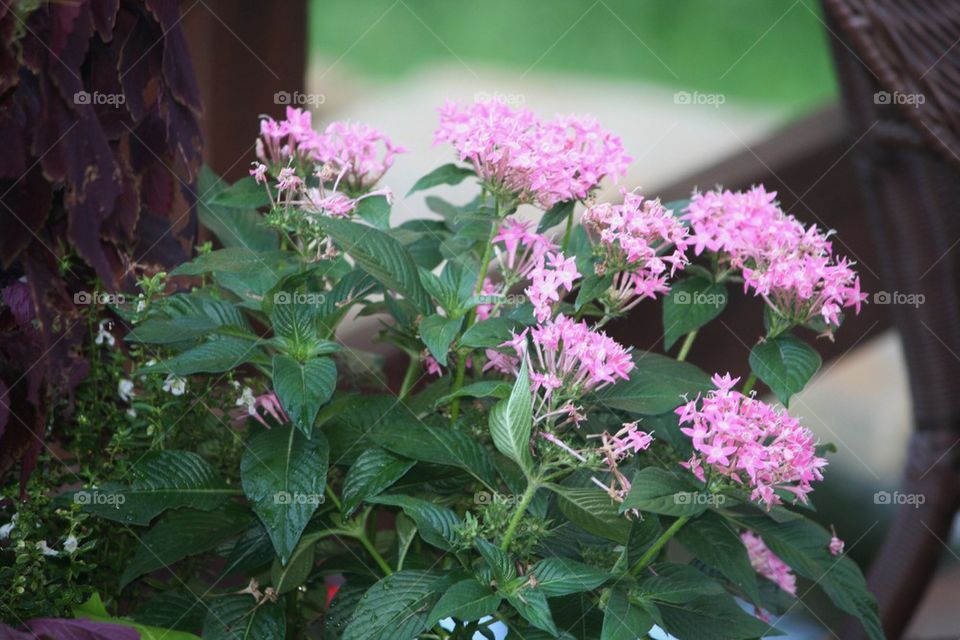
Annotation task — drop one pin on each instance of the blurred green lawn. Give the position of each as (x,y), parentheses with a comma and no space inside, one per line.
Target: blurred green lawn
(770,51)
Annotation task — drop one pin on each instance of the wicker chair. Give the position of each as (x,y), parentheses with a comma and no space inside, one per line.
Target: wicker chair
(899,69)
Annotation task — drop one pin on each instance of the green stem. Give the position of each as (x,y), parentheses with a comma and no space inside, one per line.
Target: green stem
(472,316)
(372,550)
(532,486)
(748,385)
(333,497)
(566,233)
(685,349)
(664,538)
(410,377)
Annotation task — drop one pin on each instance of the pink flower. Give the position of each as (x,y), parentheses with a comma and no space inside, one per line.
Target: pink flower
(641,243)
(360,151)
(269,404)
(630,440)
(552,273)
(259,172)
(767,564)
(543,163)
(433,367)
(751,443)
(489,291)
(518,249)
(791,267)
(836,544)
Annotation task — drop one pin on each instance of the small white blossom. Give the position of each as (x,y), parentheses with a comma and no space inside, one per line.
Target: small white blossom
(175,385)
(70,544)
(132,412)
(125,390)
(104,336)
(141,304)
(10,526)
(46,550)
(248,400)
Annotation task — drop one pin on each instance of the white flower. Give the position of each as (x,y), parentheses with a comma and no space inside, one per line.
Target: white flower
(10,526)
(125,390)
(175,385)
(70,544)
(45,550)
(141,304)
(104,336)
(248,400)
(132,412)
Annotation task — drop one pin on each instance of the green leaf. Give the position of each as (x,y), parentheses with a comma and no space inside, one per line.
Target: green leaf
(94,609)
(171,330)
(446,174)
(785,364)
(236,260)
(555,215)
(691,303)
(660,491)
(406,533)
(489,333)
(287,577)
(511,422)
(483,389)
(676,583)
(624,621)
(173,609)
(452,447)
(303,388)
(712,618)
(162,480)
(382,257)
(593,510)
(374,471)
(239,617)
(233,227)
(532,605)
(560,576)
(804,545)
(375,210)
(245,193)
(710,539)
(216,355)
(395,607)
(658,384)
(182,533)
(503,568)
(438,333)
(295,323)
(435,522)
(284,475)
(591,288)
(467,600)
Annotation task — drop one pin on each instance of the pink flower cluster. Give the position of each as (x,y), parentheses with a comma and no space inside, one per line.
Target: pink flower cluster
(641,242)
(518,249)
(627,442)
(542,162)
(552,273)
(767,564)
(568,359)
(750,442)
(356,153)
(793,268)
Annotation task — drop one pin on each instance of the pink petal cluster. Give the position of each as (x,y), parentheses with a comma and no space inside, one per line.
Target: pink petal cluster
(552,273)
(767,564)
(792,267)
(489,291)
(541,162)
(836,544)
(354,153)
(615,449)
(518,249)
(641,243)
(567,359)
(750,442)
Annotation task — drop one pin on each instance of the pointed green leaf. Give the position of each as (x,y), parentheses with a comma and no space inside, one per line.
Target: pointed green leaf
(560,576)
(396,607)
(438,333)
(375,210)
(435,522)
(785,364)
(467,600)
(532,606)
(303,387)
(445,174)
(511,422)
(593,510)
(691,303)
(623,620)
(667,493)
(219,354)
(239,617)
(374,471)
(657,385)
